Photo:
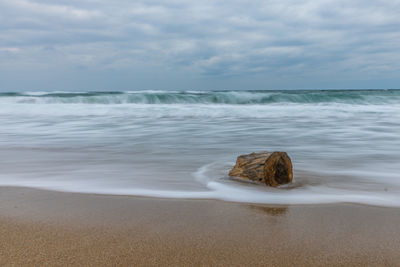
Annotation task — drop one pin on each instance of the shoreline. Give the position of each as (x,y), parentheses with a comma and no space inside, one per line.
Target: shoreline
(211,198)
(58,228)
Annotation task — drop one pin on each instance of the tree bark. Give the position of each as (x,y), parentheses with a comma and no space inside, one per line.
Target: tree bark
(271,168)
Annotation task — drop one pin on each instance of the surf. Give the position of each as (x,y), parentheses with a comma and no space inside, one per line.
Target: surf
(208,97)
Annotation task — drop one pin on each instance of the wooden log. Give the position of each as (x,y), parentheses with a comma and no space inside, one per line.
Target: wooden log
(271,168)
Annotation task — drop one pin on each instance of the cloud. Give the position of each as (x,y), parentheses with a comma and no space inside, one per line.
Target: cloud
(52,9)
(9,49)
(295,39)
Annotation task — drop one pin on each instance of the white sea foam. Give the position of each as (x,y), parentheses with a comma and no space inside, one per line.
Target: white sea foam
(345,148)
(232,192)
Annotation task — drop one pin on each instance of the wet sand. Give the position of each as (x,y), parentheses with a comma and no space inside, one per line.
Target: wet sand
(40,227)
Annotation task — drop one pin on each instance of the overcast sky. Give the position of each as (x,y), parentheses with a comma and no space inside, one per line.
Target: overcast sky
(198,45)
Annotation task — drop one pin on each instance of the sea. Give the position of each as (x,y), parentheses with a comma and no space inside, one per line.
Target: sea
(344,144)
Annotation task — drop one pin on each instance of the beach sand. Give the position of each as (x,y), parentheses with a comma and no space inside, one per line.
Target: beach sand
(39,227)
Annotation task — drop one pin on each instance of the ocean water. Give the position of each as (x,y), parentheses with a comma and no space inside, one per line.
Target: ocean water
(344,145)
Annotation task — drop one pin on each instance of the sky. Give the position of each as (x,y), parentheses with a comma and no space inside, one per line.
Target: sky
(71,45)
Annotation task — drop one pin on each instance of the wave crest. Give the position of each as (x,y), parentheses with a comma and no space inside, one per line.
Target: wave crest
(207,97)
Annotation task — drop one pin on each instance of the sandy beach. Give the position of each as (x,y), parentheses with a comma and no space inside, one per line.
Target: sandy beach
(40,227)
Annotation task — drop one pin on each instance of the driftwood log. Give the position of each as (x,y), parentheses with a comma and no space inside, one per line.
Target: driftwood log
(271,168)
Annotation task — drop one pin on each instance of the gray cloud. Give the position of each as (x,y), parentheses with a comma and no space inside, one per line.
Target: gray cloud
(280,44)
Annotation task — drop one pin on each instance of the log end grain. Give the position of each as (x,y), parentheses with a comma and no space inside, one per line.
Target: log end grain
(278,169)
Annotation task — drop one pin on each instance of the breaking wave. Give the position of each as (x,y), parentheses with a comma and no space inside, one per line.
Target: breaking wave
(208,97)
